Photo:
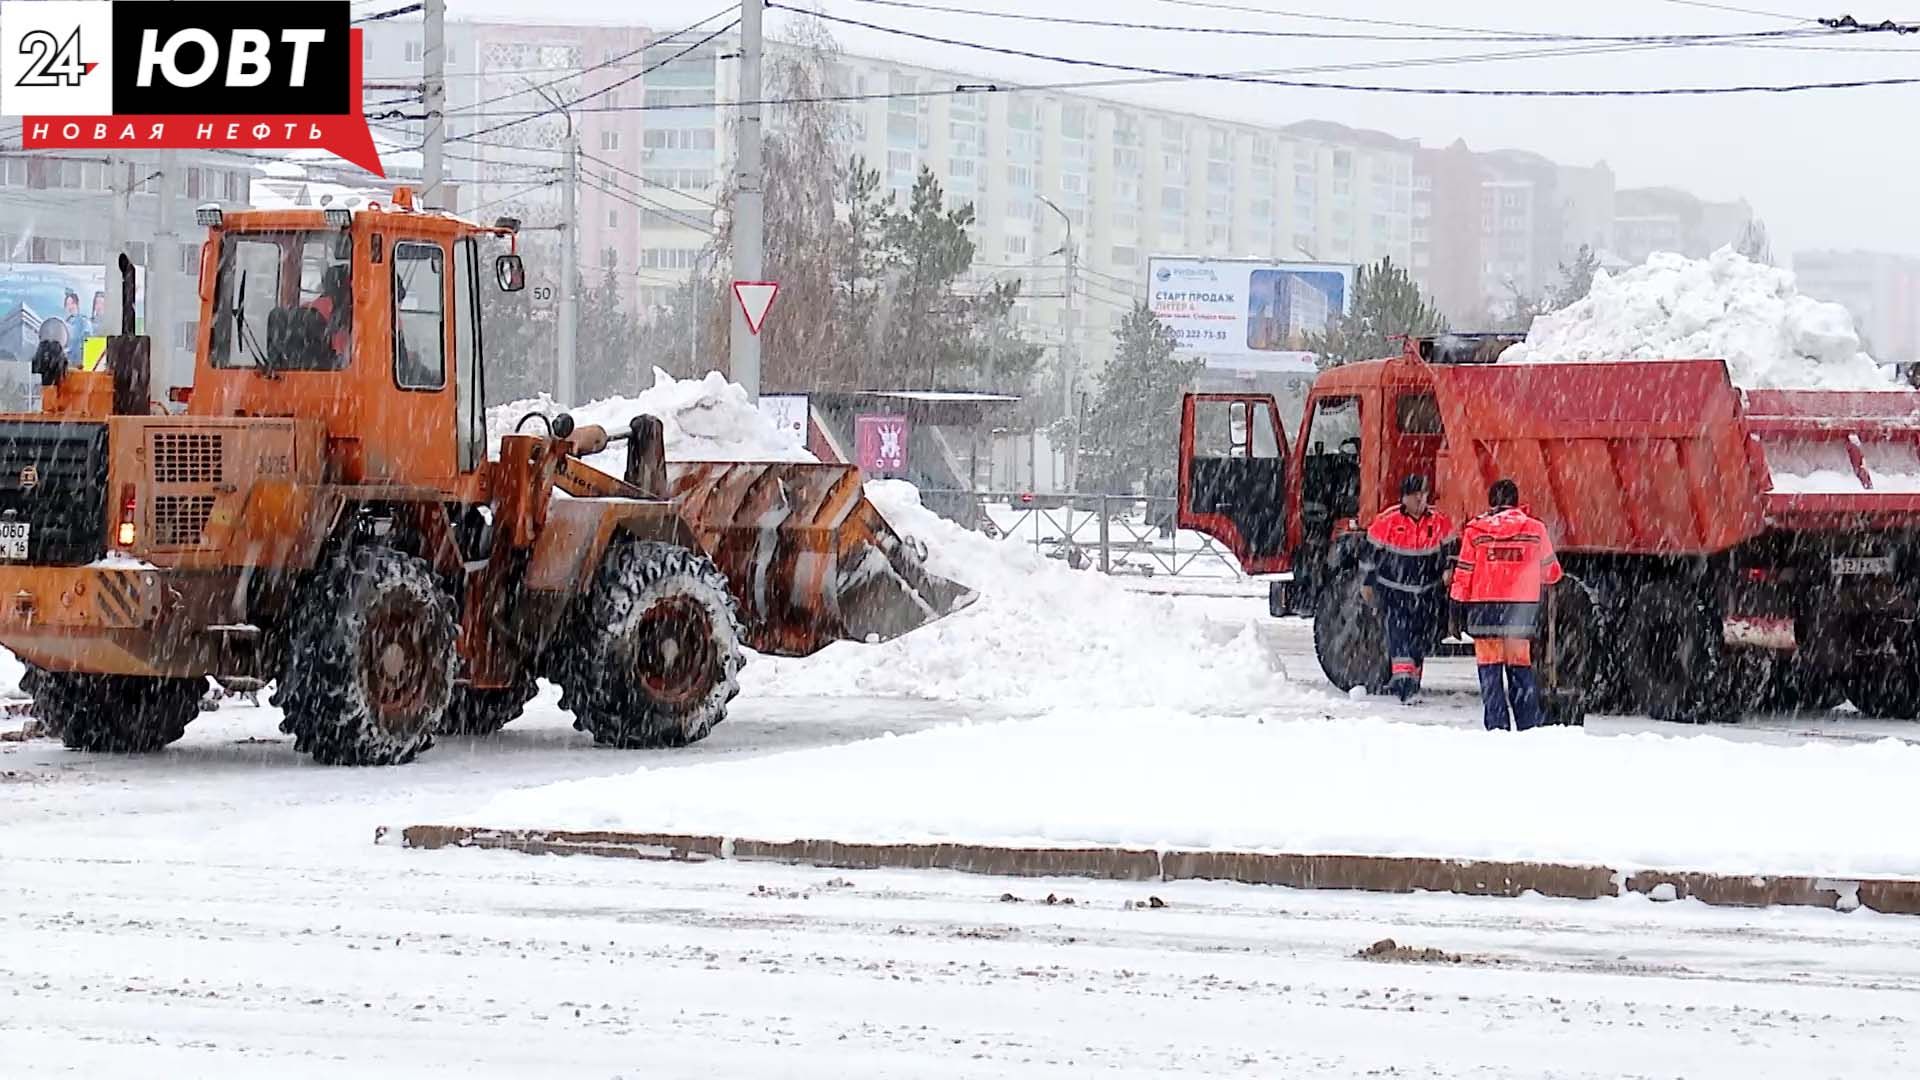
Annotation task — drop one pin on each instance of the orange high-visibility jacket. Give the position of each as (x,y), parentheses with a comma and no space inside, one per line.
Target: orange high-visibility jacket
(1506,562)
(1405,550)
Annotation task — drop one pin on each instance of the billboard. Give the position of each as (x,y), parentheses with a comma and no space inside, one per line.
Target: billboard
(1227,310)
(35,303)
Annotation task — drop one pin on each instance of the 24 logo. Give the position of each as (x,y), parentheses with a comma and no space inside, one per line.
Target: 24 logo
(54,63)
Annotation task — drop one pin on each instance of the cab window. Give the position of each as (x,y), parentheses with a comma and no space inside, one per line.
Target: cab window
(1234,429)
(1330,480)
(1417,414)
(419,316)
(284,301)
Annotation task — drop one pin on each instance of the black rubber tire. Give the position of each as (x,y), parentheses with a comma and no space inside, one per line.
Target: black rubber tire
(1350,637)
(621,674)
(1886,687)
(371,668)
(113,714)
(1678,667)
(1577,646)
(1794,688)
(485,712)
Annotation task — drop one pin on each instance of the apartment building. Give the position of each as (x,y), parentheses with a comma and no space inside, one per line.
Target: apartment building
(1880,290)
(1647,220)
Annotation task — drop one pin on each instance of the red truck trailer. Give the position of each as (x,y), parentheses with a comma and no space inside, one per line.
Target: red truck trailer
(1724,548)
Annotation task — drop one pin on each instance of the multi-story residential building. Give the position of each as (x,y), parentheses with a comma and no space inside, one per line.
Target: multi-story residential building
(1647,220)
(1881,291)
(55,208)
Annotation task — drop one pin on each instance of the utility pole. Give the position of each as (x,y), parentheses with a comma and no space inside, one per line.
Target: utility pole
(748,222)
(1070,347)
(569,266)
(119,189)
(434,92)
(163,264)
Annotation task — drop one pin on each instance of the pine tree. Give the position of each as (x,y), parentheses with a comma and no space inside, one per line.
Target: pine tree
(1386,304)
(1576,279)
(1133,426)
(607,345)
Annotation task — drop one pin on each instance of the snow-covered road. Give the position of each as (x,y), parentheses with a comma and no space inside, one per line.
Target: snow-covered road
(220,910)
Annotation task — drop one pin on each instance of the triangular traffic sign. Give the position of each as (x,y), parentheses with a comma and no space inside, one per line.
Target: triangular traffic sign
(755,298)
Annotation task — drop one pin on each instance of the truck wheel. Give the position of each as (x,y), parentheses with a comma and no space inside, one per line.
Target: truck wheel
(485,712)
(113,714)
(371,666)
(1885,686)
(1678,666)
(1575,647)
(1350,637)
(1797,688)
(655,654)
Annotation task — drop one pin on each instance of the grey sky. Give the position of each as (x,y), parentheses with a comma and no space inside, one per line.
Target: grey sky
(1824,169)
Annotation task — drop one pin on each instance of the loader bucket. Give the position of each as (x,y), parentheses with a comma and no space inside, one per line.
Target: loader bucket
(809,559)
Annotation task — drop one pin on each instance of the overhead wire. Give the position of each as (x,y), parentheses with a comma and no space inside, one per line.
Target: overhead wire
(391,14)
(1454,91)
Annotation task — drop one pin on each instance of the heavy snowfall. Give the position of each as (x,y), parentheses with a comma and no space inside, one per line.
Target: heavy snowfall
(222,908)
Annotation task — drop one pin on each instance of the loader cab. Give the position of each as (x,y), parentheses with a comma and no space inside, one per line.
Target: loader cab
(365,319)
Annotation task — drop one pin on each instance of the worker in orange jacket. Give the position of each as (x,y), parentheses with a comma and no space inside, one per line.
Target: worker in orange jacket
(1505,564)
(1404,561)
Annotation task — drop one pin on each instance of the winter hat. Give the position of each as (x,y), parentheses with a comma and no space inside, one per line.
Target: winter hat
(1414,484)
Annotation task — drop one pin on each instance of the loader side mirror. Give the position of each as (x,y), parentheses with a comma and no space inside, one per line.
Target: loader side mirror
(510,272)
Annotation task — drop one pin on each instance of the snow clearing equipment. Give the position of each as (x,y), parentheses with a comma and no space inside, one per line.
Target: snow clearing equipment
(324,513)
(1725,549)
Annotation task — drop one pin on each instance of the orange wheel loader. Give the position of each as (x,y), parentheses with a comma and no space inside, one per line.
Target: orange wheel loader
(324,512)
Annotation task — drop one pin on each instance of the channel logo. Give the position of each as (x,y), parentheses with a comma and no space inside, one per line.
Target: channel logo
(155,74)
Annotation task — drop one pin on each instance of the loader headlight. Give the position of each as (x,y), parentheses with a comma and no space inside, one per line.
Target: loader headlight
(207,215)
(339,217)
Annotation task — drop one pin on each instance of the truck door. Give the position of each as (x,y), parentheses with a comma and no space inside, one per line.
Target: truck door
(1233,476)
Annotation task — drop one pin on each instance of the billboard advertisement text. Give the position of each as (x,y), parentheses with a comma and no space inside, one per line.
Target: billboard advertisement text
(1221,308)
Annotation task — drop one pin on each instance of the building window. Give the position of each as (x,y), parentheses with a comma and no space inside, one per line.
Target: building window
(613,219)
(1020,176)
(414,52)
(1343,163)
(609,140)
(1016,245)
(1124,256)
(1173,200)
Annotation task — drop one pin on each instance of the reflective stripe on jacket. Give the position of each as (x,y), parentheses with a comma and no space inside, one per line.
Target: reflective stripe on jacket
(1403,551)
(1505,564)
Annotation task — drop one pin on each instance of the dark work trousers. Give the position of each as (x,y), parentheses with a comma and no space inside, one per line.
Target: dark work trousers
(1410,618)
(1508,689)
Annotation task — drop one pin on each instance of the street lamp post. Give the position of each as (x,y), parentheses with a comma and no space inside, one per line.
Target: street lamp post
(1070,348)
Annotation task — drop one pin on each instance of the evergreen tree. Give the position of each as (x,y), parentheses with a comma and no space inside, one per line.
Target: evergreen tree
(930,249)
(1576,279)
(607,344)
(1133,426)
(1386,305)
(516,336)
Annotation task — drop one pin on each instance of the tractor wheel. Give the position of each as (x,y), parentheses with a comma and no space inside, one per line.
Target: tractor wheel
(113,714)
(655,654)
(1570,652)
(1350,637)
(370,671)
(1678,666)
(485,712)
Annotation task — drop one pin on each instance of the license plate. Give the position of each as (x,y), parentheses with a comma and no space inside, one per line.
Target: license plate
(1846,565)
(13,539)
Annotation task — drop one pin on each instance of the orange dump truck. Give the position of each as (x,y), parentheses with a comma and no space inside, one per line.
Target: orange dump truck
(1726,549)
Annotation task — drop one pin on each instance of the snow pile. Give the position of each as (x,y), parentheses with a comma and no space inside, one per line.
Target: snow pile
(1145,778)
(1040,635)
(1723,307)
(706,419)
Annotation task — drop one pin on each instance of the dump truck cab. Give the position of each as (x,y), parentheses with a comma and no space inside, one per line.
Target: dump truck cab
(325,512)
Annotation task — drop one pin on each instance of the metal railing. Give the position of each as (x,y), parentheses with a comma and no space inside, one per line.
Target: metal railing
(1115,534)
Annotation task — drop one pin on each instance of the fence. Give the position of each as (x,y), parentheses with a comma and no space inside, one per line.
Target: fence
(1116,534)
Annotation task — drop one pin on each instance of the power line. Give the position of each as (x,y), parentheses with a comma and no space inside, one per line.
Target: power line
(1242,9)
(1669,91)
(681,216)
(709,203)
(608,62)
(1319,35)
(391,14)
(648,70)
(1738,10)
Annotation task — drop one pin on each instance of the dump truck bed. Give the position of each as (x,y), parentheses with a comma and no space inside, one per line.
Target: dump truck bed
(1669,458)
